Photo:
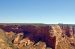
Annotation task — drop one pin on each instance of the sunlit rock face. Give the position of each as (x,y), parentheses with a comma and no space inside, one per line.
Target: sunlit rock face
(55,36)
(67,37)
(5,43)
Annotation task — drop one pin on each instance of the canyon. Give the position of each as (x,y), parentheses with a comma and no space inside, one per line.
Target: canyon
(40,36)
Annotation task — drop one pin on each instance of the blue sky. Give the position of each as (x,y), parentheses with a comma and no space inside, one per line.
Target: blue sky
(37,11)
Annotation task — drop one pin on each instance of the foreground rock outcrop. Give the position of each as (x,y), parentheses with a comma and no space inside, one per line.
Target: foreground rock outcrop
(39,36)
(5,43)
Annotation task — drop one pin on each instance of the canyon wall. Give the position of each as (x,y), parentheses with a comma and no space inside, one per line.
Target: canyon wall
(56,36)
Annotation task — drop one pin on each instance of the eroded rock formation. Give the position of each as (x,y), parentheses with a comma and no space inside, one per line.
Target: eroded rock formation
(5,43)
(55,36)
